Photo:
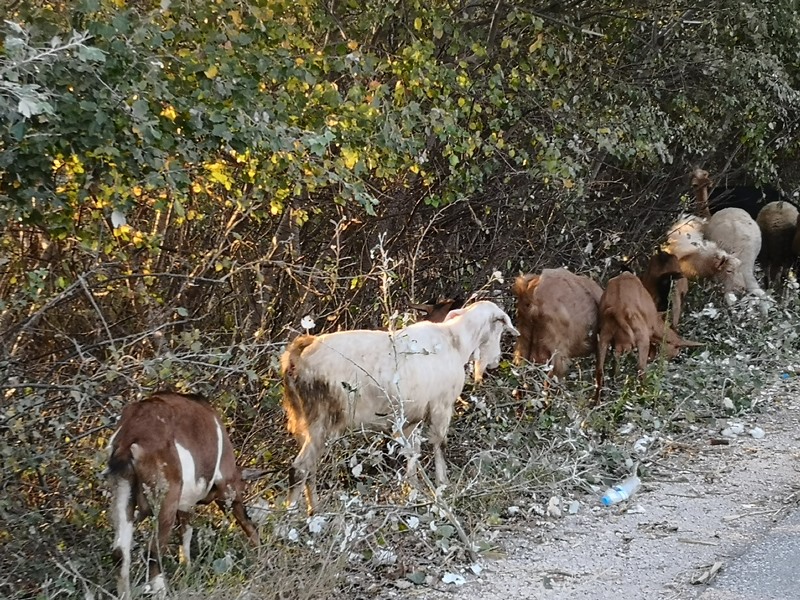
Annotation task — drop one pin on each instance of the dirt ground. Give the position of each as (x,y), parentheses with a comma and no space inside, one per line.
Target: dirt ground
(701,506)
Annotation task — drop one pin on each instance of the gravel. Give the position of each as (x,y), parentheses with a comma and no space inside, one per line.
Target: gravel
(701,506)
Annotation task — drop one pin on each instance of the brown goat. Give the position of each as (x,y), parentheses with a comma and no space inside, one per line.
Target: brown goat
(662,278)
(169,453)
(628,320)
(701,184)
(556,317)
(435,312)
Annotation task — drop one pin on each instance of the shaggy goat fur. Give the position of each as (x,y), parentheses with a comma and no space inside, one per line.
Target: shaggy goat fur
(436,311)
(556,317)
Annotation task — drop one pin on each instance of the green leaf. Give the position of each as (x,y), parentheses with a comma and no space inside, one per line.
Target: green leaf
(29,106)
(417,577)
(91,54)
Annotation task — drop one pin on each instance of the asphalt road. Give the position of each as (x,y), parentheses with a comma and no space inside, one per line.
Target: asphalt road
(767,570)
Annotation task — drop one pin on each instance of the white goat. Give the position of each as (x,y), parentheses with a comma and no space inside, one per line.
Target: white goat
(366,378)
(700,258)
(735,231)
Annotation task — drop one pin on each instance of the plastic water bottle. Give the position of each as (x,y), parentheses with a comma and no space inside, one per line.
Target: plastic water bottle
(621,491)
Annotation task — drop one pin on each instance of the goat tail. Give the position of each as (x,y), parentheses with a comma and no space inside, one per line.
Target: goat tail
(120,462)
(292,401)
(292,355)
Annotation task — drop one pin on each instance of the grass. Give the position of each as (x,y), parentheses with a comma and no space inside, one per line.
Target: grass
(512,448)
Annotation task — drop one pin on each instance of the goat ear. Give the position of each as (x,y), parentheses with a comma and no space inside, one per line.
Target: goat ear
(509,325)
(478,367)
(426,308)
(523,283)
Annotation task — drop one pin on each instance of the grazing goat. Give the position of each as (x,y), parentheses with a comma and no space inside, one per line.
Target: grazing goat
(662,278)
(628,319)
(778,224)
(556,316)
(698,257)
(436,311)
(734,231)
(169,453)
(366,378)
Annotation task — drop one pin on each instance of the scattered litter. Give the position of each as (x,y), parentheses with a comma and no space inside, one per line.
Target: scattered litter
(513,510)
(316,523)
(622,491)
(476,568)
(554,507)
(453,578)
(259,510)
(728,404)
(719,442)
(626,428)
(757,433)
(384,557)
(733,430)
(402,584)
(640,447)
(573,507)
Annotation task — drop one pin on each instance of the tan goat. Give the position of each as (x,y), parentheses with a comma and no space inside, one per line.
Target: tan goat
(628,320)
(169,453)
(556,317)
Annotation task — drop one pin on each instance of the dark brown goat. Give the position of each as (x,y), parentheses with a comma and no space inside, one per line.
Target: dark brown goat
(778,224)
(556,317)
(628,320)
(169,453)
(436,311)
(666,284)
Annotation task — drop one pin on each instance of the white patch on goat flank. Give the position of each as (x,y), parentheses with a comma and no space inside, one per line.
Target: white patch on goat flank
(196,488)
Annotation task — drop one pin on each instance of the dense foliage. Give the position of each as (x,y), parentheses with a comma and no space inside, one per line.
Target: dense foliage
(181,181)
